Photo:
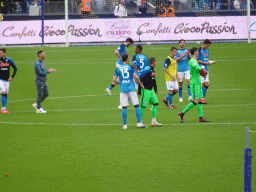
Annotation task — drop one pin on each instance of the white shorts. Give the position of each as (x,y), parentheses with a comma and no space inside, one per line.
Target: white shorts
(183,75)
(4,86)
(206,79)
(124,98)
(117,65)
(171,85)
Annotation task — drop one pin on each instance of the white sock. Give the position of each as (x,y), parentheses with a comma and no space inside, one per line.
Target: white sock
(153,120)
(3,108)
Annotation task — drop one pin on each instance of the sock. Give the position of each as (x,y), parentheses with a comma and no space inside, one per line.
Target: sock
(4,100)
(138,115)
(170,99)
(173,93)
(180,92)
(189,92)
(188,107)
(154,111)
(204,90)
(200,110)
(124,115)
(153,120)
(111,86)
(142,111)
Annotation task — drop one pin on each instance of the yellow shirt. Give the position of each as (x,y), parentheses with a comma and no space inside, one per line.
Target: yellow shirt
(171,66)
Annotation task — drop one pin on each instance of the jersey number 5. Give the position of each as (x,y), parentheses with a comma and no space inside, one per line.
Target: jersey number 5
(142,63)
(125,72)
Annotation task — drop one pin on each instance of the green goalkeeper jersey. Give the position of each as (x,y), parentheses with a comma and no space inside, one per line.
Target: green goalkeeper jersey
(194,69)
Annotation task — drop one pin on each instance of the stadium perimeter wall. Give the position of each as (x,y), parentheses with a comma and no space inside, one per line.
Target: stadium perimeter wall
(114,30)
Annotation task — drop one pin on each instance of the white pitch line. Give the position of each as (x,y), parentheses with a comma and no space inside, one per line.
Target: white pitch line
(87,124)
(77,96)
(131,108)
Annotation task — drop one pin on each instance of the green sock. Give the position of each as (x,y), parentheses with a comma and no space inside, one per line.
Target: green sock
(189,106)
(154,111)
(142,111)
(200,110)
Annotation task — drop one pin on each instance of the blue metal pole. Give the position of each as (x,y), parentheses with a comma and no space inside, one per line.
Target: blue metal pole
(247,164)
(42,17)
(247,170)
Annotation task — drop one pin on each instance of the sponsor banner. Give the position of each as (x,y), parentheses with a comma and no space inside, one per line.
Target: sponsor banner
(107,30)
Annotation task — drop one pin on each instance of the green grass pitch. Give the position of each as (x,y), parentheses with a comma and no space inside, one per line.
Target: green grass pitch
(79,144)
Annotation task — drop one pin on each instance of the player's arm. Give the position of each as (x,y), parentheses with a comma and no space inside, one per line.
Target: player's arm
(179,58)
(195,65)
(118,55)
(204,63)
(137,80)
(135,65)
(155,86)
(14,70)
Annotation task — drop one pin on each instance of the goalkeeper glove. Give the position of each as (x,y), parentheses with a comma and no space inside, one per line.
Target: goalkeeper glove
(203,73)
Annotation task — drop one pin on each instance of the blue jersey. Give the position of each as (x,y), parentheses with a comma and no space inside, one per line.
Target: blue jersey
(122,50)
(141,61)
(203,56)
(182,65)
(125,73)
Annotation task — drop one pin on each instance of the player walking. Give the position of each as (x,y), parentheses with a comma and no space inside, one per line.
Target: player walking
(171,76)
(203,60)
(126,73)
(119,52)
(196,89)
(148,95)
(5,78)
(140,61)
(42,89)
(182,59)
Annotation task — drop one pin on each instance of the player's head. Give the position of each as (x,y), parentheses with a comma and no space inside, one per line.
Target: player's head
(152,61)
(41,55)
(182,43)
(122,2)
(173,51)
(128,42)
(194,51)
(206,44)
(125,58)
(2,52)
(138,49)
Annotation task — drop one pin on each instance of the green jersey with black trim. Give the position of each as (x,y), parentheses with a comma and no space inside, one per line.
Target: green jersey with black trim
(194,69)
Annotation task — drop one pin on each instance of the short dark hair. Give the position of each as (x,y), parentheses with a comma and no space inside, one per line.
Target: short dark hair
(130,40)
(193,50)
(139,47)
(125,57)
(152,60)
(173,48)
(181,40)
(207,41)
(39,52)
(3,49)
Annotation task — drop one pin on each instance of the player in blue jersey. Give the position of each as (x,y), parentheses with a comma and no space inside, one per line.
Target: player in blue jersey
(119,52)
(203,60)
(5,78)
(182,59)
(140,61)
(126,73)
